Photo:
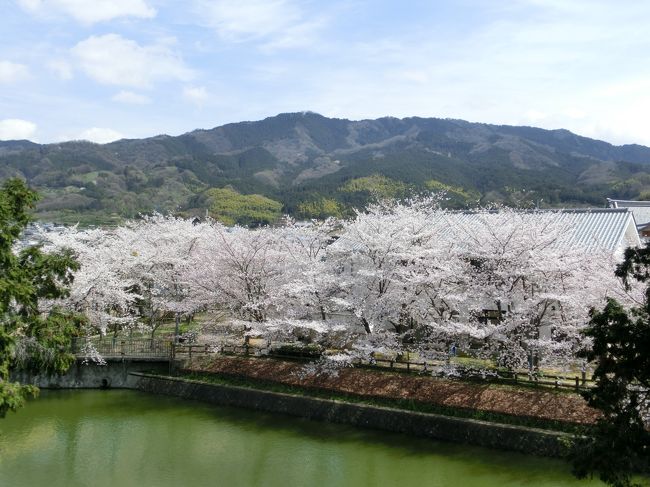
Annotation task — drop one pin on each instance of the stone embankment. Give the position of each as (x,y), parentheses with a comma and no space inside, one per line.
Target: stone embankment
(305,399)
(535,403)
(460,430)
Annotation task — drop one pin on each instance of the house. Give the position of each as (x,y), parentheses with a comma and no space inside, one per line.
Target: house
(641,212)
(611,229)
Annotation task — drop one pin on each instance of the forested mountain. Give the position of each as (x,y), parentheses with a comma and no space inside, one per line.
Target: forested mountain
(312,166)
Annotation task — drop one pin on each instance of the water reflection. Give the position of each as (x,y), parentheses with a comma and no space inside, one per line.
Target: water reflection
(126,438)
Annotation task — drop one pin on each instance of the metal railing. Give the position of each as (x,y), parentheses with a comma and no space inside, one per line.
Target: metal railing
(123,347)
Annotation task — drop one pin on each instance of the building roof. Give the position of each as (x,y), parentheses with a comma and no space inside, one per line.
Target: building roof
(640,209)
(610,229)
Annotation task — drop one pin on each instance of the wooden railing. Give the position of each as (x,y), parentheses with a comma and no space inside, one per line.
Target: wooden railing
(273,349)
(159,349)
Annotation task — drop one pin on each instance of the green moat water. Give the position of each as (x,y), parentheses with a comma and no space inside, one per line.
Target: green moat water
(126,438)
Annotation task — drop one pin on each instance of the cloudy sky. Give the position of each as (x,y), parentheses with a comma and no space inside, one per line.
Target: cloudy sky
(105,69)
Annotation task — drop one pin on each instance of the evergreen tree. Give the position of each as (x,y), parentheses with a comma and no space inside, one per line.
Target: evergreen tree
(29,337)
(619,445)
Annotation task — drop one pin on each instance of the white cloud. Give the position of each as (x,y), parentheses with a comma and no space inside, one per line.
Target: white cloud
(131,98)
(195,94)
(61,68)
(16,129)
(540,67)
(112,59)
(100,135)
(12,72)
(90,12)
(278,23)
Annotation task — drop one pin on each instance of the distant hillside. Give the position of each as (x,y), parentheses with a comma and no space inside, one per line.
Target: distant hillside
(312,166)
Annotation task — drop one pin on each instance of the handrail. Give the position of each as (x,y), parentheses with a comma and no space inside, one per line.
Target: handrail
(519,377)
(123,347)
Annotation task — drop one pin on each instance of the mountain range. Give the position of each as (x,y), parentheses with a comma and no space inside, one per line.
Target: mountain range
(309,165)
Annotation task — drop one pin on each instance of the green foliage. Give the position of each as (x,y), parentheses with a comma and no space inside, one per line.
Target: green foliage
(455,193)
(229,207)
(46,349)
(619,445)
(39,341)
(376,185)
(386,158)
(320,208)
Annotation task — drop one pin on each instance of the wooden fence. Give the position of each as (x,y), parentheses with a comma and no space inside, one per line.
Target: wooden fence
(276,350)
(159,349)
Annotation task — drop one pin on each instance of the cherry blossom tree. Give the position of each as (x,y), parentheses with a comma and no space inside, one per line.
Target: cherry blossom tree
(520,274)
(139,270)
(102,290)
(388,256)
(488,281)
(403,276)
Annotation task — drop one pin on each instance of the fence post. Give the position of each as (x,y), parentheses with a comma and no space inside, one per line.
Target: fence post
(408,367)
(577,384)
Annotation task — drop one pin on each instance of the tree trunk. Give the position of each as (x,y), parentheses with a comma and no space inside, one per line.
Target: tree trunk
(366,325)
(177,320)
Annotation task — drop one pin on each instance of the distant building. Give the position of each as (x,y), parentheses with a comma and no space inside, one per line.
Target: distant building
(611,229)
(641,212)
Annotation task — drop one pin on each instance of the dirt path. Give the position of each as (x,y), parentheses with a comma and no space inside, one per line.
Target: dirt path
(534,403)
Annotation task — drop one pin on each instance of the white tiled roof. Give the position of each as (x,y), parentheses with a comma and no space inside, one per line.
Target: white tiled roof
(593,228)
(640,209)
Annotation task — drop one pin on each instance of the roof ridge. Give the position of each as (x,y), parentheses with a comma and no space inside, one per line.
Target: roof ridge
(546,210)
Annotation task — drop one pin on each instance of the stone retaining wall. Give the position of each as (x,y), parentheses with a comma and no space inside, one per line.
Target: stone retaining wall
(116,373)
(460,430)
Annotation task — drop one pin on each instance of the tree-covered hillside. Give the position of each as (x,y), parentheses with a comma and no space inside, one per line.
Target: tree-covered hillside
(312,166)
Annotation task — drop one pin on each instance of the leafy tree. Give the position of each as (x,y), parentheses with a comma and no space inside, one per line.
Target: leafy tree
(230,207)
(377,185)
(29,337)
(619,445)
(320,208)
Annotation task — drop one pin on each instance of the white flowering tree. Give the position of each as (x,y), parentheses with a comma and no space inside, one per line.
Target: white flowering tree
(246,270)
(161,260)
(506,285)
(501,284)
(521,274)
(101,290)
(313,281)
(140,270)
(387,256)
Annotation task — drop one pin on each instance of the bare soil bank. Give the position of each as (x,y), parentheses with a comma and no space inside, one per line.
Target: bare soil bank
(524,402)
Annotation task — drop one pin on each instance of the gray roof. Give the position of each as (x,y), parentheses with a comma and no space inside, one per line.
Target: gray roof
(598,228)
(640,209)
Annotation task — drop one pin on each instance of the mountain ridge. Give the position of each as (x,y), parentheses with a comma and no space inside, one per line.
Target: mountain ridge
(304,159)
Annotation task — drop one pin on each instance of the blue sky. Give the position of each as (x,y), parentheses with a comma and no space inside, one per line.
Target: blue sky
(105,69)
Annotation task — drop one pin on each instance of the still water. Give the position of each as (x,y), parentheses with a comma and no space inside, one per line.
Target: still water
(127,438)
